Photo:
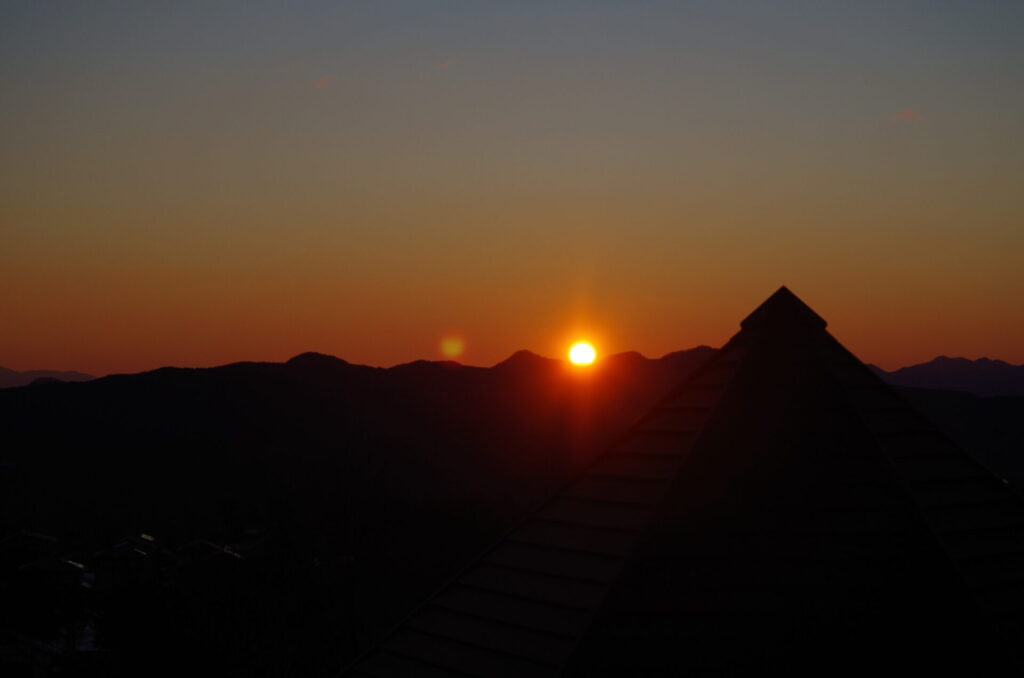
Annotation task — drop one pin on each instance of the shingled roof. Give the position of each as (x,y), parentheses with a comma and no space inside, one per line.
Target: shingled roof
(782,510)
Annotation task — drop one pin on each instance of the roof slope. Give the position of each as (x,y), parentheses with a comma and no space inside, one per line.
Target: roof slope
(782,508)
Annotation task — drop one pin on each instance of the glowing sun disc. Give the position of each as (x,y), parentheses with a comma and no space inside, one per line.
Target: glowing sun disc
(582,353)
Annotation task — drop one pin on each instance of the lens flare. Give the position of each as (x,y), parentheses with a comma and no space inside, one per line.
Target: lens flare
(582,353)
(452,347)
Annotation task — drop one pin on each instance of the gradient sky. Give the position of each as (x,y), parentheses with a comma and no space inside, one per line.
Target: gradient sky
(197,183)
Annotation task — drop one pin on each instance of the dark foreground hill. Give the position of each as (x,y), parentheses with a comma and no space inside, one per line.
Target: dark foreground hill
(979,403)
(990,427)
(273,518)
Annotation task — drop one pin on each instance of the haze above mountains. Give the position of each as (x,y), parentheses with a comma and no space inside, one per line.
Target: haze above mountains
(983,377)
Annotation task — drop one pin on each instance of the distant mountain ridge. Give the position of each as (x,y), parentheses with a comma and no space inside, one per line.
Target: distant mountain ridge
(474,429)
(984,376)
(11,378)
(520,359)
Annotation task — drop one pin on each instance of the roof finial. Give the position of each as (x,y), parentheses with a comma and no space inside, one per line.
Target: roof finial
(783,308)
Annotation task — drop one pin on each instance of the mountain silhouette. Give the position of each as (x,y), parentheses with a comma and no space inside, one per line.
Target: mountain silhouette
(982,376)
(364,488)
(206,507)
(12,378)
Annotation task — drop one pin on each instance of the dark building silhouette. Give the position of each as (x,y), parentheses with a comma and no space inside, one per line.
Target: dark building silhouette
(783,510)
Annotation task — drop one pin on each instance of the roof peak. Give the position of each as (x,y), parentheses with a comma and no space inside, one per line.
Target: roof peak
(783,308)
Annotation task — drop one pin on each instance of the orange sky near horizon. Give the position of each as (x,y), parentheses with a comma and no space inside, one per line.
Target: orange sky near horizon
(249,182)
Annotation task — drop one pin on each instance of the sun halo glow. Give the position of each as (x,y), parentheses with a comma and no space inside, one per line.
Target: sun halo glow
(582,353)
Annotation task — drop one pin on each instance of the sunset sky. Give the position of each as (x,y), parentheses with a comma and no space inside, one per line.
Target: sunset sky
(195,183)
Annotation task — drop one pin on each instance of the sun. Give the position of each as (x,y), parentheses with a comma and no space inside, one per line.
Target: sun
(582,353)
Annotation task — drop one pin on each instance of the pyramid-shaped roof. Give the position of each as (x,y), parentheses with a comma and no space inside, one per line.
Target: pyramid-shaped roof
(781,510)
